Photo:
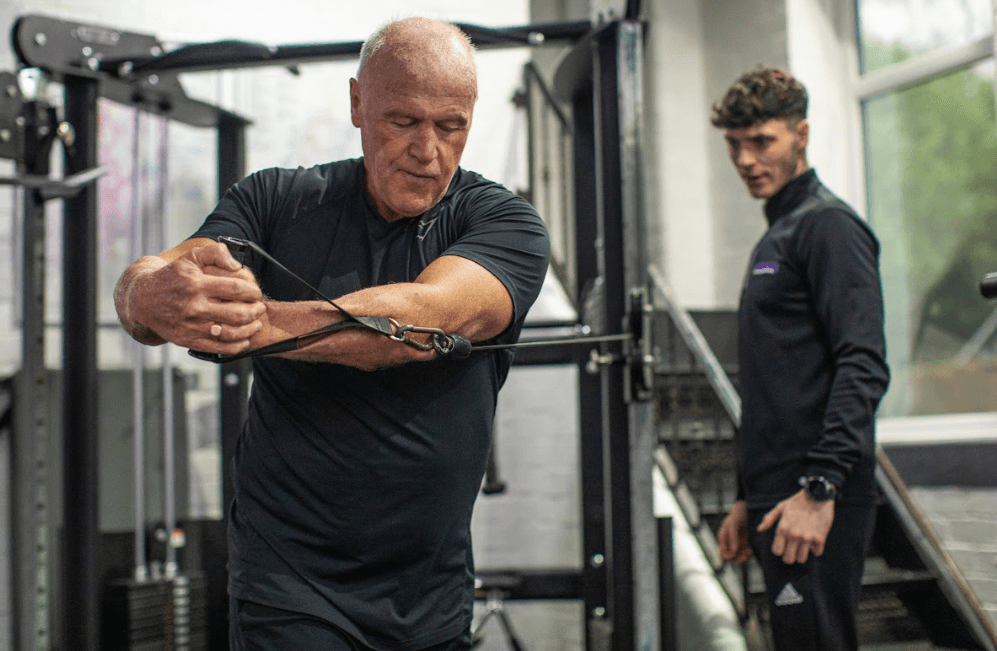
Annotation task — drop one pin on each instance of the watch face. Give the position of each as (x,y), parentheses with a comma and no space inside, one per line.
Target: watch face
(819,490)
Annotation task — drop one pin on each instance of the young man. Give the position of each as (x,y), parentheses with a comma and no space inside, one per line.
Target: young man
(359,465)
(812,372)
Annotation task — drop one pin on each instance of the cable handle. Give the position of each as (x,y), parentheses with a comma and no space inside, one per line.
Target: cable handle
(238,248)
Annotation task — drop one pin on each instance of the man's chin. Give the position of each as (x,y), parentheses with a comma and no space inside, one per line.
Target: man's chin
(415,207)
(760,190)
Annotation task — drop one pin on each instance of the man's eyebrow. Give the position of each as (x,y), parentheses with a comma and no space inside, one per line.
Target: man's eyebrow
(398,113)
(459,118)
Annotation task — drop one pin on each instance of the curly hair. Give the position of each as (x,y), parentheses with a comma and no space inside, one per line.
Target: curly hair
(763,94)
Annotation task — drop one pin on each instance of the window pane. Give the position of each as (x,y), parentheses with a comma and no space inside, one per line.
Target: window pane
(892,30)
(932,165)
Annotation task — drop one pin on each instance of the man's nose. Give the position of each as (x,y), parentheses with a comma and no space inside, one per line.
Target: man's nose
(423,145)
(742,157)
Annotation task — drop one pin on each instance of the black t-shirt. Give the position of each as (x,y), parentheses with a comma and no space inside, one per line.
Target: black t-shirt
(812,349)
(354,489)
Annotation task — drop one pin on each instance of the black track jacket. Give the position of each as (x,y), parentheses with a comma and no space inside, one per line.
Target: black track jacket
(812,349)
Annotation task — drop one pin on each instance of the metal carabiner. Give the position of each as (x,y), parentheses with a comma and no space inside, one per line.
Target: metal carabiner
(451,346)
(401,333)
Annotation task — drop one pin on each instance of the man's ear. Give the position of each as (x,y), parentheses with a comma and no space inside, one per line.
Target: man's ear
(802,129)
(355,102)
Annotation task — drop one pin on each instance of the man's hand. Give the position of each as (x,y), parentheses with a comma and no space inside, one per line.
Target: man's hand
(802,528)
(195,295)
(733,534)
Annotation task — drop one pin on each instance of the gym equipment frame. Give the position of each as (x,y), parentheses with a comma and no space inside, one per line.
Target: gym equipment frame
(600,79)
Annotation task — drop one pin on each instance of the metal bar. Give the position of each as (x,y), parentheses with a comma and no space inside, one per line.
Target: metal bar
(234,376)
(696,343)
(29,447)
(54,188)
(558,341)
(527,107)
(593,498)
(916,69)
(616,422)
(667,621)
(81,598)
(169,456)
(227,57)
(642,434)
(533,73)
(141,571)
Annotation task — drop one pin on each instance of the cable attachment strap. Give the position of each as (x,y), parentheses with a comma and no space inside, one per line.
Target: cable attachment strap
(450,346)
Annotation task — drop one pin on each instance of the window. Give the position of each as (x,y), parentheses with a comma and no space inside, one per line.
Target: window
(894,30)
(931,167)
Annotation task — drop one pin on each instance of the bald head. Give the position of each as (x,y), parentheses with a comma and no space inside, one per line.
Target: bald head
(429,53)
(413,101)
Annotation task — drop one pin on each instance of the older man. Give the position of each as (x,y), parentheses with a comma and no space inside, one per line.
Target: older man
(812,372)
(358,468)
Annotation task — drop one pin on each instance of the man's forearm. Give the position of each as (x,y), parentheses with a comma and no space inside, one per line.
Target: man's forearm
(124,293)
(356,347)
(453,294)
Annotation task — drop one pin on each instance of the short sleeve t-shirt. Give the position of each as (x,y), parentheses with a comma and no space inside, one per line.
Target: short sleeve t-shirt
(354,489)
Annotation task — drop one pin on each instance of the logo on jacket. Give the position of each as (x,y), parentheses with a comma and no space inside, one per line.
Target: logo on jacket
(764,268)
(789,596)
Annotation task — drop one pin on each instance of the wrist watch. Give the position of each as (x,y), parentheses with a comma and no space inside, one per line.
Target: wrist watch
(818,488)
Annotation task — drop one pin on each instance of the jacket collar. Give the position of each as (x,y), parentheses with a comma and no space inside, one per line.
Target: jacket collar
(791,195)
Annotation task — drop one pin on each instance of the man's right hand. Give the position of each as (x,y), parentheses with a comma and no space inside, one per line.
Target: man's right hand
(195,295)
(733,534)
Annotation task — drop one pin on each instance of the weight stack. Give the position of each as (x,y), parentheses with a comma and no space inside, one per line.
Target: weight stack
(187,620)
(164,614)
(135,615)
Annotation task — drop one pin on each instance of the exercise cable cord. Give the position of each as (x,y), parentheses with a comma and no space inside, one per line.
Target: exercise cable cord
(447,345)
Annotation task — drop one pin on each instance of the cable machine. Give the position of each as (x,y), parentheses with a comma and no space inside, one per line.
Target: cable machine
(600,78)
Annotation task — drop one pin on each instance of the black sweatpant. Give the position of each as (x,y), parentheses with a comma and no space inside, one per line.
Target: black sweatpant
(254,627)
(812,607)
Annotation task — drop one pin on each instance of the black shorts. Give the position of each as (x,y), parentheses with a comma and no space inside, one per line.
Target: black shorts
(254,627)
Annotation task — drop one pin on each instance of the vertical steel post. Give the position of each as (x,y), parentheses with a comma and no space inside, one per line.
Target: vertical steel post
(141,571)
(593,495)
(166,352)
(615,424)
(234,375)
(666,585)
(30,514)
(628,427)
(81,611)
(642,432)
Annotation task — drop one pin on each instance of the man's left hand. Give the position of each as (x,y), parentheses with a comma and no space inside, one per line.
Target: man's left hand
(801,527)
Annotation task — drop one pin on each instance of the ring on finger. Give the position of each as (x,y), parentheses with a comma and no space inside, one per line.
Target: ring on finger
(216,330)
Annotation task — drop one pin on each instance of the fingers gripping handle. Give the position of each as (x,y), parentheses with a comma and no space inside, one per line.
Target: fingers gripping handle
(238,248)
